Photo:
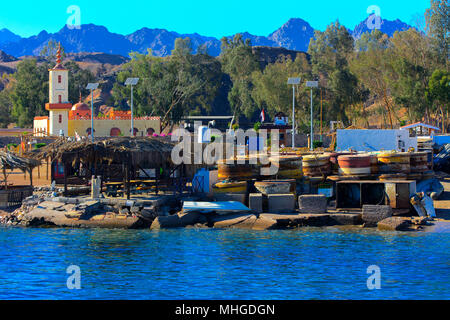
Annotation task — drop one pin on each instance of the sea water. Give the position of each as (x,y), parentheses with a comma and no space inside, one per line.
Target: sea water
(309,263)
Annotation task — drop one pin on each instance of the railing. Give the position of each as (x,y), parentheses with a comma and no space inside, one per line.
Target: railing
(13,197)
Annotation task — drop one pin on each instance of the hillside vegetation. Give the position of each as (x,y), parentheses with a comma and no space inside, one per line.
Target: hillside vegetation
(397,79)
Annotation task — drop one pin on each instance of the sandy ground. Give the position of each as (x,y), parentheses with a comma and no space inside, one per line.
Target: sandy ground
(17,177)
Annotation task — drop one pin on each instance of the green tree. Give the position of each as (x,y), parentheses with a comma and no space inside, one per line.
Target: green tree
(173,86)
(438,28)
(5,108)
(29,92)
(438,93)
(239,62)
(49,50)
(78,80)
(372,41)
(272,92)
(411,64)
(330,52)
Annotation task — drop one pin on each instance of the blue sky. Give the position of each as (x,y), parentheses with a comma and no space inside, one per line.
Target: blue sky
(215,18)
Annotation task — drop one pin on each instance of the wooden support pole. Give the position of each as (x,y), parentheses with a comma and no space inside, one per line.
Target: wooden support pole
(31,176)
(4,175)
(65,178)
(128,182)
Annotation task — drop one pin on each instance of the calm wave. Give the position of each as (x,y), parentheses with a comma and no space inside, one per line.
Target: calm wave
(223,264)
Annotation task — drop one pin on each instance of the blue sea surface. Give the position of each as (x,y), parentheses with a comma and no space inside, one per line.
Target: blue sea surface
(308,263)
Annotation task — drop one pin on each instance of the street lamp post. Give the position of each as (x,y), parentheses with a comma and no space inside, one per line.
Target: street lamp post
(132,82)
(293,82)
(312,84)
(92,87)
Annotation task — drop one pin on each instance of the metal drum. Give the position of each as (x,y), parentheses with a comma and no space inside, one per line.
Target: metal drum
(289,166)
(238,170)
(334,160)
(394,162)
(354,165)
(419,162)
(315,165)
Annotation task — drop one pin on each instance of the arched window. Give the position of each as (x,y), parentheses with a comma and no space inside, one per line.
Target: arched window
(150,132)
(59,79)
(135,132)
(59,98)
(88,131)
(60,118)
(115,132)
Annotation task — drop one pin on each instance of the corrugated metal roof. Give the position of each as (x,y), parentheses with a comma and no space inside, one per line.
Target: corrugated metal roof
(420,124)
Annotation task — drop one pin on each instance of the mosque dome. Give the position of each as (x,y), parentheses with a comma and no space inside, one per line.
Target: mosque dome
(81,106)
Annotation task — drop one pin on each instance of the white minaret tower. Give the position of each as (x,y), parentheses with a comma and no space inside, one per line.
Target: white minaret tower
(58,105)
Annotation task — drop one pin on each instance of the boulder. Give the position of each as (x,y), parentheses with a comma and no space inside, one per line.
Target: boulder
(179,220)
(312,203)
(255,202)
(346,219)
(237,220)
(372,214)
(135,209)
(281,203)
(289,221)
(265,223)
(394,224)
(420,221)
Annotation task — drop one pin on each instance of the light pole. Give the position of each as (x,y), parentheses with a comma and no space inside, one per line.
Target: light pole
(312,84)
(293,82)
(132,82)
(92,87)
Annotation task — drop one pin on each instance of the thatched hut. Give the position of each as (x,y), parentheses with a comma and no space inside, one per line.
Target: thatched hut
(11,161)
(13,195)
(115,159)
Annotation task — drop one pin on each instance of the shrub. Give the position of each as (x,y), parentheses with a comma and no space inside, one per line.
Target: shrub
(39,145)
(317,144)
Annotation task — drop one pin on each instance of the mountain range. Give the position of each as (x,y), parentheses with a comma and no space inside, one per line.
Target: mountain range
(293,35)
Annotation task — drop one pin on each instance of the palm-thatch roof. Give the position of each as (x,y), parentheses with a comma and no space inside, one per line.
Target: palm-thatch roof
(11,161)
(141,151)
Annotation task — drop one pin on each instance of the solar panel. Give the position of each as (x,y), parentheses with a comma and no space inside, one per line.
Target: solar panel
(132,81)
(92,86)
(312,84)
(294,80)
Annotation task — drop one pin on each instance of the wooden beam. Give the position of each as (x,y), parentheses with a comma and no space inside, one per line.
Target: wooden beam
(65,178)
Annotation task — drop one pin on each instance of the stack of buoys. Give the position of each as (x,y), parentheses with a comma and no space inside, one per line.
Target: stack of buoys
(426,145)
(289,166)
(315,165)
(374,162)
(237,170)
(394,162)
(419,165)
(355,165)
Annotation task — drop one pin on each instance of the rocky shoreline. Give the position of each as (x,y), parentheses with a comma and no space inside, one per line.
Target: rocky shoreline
(45,209)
